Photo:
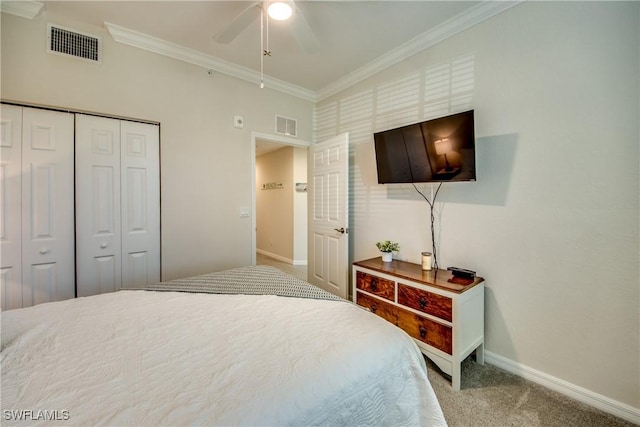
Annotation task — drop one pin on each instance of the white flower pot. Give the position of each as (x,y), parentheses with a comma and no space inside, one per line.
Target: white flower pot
(387,256)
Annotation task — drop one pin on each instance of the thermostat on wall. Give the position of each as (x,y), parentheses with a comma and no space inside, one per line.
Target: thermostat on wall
(238,122)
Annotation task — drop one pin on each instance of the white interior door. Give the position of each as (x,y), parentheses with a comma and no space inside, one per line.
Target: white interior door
(140,180)
(10,206)
(328,189)
(48,264)
(98,205)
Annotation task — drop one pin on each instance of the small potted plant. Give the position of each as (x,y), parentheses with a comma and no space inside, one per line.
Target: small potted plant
(387,247)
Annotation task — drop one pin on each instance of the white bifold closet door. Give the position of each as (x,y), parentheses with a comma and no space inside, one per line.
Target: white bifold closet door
(36,206)
(117,204)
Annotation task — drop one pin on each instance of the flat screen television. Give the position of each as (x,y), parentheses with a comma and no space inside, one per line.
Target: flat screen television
(437,150)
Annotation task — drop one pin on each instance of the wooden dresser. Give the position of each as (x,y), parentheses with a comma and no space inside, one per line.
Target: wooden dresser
(445,315)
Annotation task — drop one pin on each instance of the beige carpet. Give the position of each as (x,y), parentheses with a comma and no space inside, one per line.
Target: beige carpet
(490,396)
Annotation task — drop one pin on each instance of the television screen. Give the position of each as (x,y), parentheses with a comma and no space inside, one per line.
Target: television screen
(438,150)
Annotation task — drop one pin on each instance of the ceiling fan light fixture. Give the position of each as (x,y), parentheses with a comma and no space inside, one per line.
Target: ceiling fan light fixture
(280,11)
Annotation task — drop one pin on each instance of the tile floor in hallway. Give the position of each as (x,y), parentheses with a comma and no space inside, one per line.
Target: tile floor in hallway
(299,271)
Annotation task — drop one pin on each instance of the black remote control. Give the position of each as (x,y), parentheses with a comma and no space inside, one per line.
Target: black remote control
(462,272)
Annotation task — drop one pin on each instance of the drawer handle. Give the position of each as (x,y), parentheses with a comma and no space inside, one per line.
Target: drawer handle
(374,285)
(374,308)
(422,302)
(423,332)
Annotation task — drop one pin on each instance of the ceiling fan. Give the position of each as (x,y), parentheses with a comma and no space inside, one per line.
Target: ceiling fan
(279,10)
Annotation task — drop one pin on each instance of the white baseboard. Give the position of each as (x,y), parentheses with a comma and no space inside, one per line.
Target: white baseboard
(278,257)
(583,395)
(299,262)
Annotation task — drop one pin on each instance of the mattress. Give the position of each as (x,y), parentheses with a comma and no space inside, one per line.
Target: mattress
(165,357)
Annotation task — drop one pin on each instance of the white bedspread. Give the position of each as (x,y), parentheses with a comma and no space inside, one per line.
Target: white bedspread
(168,358)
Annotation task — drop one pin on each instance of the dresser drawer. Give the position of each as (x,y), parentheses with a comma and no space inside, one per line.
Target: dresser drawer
(427,302)
(425,330)
(376,285)
(383,309)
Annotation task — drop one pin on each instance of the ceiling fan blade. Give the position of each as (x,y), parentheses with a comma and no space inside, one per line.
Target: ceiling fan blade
(303,33)
(240,22)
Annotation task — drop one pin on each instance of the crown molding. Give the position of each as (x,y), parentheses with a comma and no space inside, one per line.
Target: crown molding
(455,25)
(23,9)
(152,44)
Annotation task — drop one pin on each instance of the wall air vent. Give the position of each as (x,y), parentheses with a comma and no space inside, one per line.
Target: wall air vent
(68,42)
(286,126)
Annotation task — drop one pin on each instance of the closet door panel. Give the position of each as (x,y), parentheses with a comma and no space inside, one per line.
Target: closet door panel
(10,206)
(11,287)
(137,270)
(98,205)
(140,204)
(106,273)
(48,264)
(43,283)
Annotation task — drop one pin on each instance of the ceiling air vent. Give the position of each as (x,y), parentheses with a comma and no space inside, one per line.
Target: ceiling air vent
(286,126)
(68,42)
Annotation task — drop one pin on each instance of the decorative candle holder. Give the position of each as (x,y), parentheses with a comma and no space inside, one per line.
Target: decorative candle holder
(426,261)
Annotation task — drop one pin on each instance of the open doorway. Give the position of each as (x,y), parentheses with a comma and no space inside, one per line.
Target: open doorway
(280,203)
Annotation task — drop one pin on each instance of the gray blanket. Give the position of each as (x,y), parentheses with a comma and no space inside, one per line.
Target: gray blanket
(252,280)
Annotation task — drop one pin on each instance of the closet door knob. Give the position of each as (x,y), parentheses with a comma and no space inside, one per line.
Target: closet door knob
(103,245)
(44,250)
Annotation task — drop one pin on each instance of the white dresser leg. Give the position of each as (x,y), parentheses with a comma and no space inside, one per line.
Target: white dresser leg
(455,377)
(480,354)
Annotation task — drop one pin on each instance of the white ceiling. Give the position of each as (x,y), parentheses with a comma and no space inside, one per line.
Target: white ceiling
(352,35)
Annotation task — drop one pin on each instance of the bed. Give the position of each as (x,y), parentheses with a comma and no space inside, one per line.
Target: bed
(247,346)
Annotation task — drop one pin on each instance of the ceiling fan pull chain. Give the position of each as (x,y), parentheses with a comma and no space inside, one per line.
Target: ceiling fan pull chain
(267,52)
(262,48)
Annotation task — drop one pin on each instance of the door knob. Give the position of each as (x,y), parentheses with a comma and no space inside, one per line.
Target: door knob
(340,230)
(103,245)
(44,250)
